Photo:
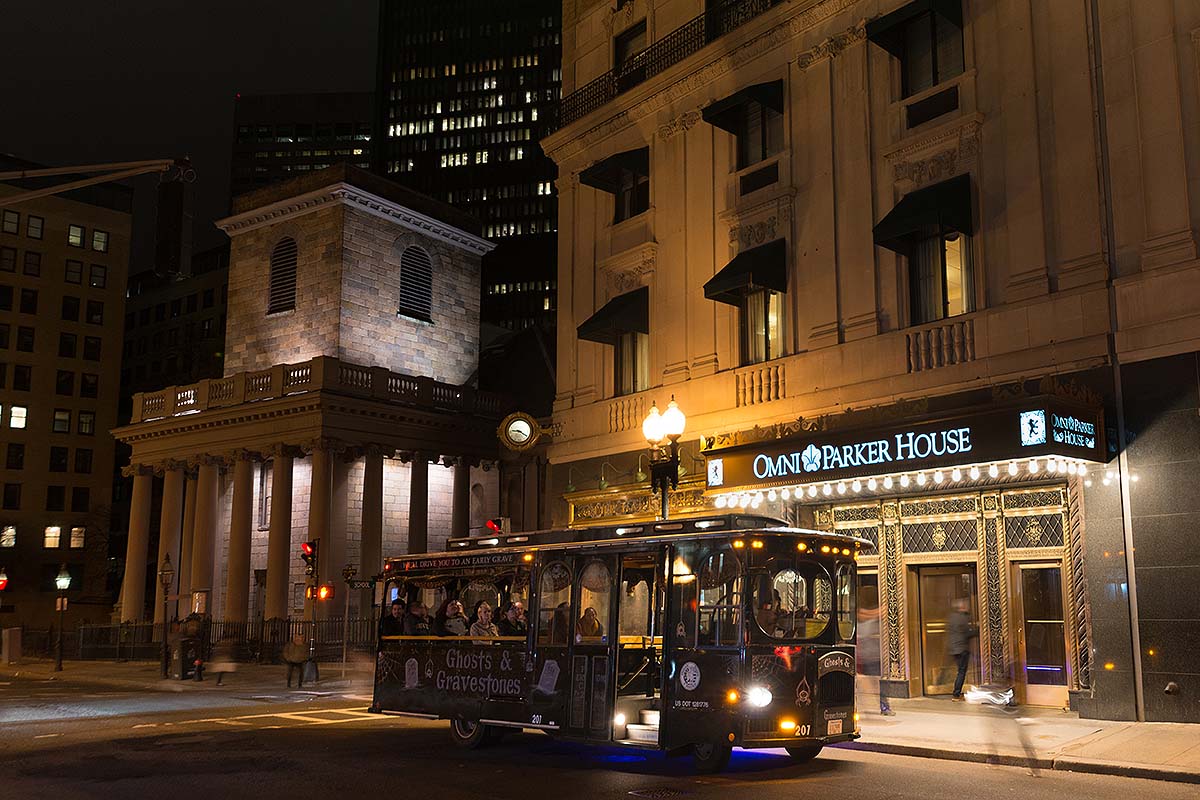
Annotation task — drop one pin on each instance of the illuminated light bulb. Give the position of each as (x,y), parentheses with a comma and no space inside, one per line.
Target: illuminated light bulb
(1108,476)
(772,496)
(841,487)
(1107,482)
(956,474)
(827,490)
(938,476)
(1082,470)
(993,471)
(1012,468)
(1072,469)
(871,484)
(904,481)
(1134,477)
(812,490)
(974,473)
(1033,466)
(786,494)
(920,479)
(1088,483)
(757,501)
(856,486)
(720,501)
(887,481)
(744,500)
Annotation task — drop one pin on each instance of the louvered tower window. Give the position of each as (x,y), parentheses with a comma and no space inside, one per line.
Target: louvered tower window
(416,284)
(282,295)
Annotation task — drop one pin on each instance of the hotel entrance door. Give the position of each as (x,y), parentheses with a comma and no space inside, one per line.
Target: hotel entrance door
(1041,634)
(939,588)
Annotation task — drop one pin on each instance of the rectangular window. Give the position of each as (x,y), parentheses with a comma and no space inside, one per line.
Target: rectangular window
(75,235)
(633,195)
(95,312)
(16,456)
(91,348)
(83,460)
(87,422)
(62,421)
(77,537)
(70,308)
(192,302)
(64,383)
(56,498)
(98,276)
(628,44)
(58,459)
(66,345)
(100,241)
(4,335)
(932,52)
(34,226)
(632,363)
(33,263)
(8,534)
(6,298)
(12,222)
(51,537)
(25,339)
(160,312)
(12,497)
(74,272)
(8,259)
(89,385)
(208,298)
(762,326)
(81,497)
(941,283)
(22,378)
(29,301)
(17,416)
(760,133)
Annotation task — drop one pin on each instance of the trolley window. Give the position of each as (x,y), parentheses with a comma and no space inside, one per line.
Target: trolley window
(847,595)
(720,599)
(793,599)
(554,597)
(595,602)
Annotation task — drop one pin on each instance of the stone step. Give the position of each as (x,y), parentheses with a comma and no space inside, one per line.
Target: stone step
(649,716)
(641,733)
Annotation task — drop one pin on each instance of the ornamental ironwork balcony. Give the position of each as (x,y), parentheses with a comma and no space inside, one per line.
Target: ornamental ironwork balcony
(689,38)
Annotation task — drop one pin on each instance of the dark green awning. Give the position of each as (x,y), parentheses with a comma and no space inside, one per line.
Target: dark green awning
(725,114)
(762,267)
(943,207)
(885,31)
(625,313)
(606,175)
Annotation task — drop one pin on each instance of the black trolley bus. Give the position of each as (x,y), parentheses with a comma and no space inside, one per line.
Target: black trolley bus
(690,636)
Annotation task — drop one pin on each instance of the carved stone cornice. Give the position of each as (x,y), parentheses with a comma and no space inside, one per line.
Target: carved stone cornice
(750,226)
(681,124)
(947,152)
(629,269)
(332,446)
(616,19)
(284,451)
(135,470)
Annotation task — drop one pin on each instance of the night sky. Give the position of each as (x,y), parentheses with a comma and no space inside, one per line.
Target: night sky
(104,80)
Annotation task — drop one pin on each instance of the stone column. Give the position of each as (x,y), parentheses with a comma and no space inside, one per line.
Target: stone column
(241,520)
(169,522)
(333,544)
(371,547)
(460,508)
(418,504)
(133,587)
(279,540)
(319,501)
(184,569)
(204,536)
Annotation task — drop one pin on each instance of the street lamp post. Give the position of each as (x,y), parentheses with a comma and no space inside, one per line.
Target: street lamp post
(348,573)
(63,582)
(165,576)
(662,432)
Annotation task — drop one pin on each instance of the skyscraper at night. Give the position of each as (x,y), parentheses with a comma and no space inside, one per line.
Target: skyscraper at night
(465,90)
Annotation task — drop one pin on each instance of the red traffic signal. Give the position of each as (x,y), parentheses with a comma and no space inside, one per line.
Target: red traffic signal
(308,552)
(493,526)
(322,592)
(3,579)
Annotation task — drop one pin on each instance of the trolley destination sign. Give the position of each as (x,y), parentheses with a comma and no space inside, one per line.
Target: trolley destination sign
(1037,428)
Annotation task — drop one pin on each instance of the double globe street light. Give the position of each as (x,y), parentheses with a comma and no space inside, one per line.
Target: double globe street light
(62,582)
(662,432)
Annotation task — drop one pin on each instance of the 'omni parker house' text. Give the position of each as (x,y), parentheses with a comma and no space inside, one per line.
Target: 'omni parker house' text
(902,447)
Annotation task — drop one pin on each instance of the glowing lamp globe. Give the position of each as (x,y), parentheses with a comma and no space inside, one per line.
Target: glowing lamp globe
(653,427)
(673,421)
(63,581)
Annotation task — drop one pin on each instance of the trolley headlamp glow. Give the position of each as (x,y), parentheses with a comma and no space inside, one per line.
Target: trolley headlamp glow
(759,696)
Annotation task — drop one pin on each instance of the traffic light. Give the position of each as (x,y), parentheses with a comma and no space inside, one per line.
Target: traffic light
(3,579)
(322,592)
(500,526)
(308,552)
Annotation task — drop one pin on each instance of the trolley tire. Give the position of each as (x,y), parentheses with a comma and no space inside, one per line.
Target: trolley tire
(802,755)
(468,734)
(710,757)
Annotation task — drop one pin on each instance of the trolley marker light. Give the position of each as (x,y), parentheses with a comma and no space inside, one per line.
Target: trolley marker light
(732,696)
(787,725)
(759,696)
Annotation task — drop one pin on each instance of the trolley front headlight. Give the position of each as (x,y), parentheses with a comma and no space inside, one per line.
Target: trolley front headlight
(759,696)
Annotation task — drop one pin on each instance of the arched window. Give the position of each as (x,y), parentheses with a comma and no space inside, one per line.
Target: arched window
(416,284)
(282,293)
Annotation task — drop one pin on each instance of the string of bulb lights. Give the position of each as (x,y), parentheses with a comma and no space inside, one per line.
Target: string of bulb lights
(906,480)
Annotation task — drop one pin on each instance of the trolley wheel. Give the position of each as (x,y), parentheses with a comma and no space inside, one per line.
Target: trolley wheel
(802,755)
(710,757)
(467,734)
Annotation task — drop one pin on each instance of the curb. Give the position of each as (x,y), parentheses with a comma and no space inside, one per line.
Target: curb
(1061,764)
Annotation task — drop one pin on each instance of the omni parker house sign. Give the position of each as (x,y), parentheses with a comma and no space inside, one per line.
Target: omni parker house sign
(1042,427)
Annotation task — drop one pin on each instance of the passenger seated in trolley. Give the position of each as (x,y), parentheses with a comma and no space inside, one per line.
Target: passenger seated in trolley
(484,625)
(416,621)
(589,626)
(451,619)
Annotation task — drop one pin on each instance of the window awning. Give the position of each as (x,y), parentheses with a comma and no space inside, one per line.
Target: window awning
(725,113)
(625,313)
(606,175)
(884,31)
(762,267)
(945,206)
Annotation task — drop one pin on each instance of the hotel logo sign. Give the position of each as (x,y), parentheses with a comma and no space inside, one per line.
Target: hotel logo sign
(901,447)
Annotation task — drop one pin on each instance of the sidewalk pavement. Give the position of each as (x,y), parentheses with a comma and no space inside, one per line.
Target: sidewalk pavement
(1035,738)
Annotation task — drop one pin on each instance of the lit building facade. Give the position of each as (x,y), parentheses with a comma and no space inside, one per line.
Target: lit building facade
(63,265)
(900,293)
(342,415)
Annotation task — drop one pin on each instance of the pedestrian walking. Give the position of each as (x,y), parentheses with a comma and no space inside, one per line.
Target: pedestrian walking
(869,663)
(222,660)
(959,633)
(295,655)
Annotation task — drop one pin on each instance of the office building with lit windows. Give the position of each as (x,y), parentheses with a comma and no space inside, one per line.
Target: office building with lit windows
(465,91)
(63,263)
(901,293)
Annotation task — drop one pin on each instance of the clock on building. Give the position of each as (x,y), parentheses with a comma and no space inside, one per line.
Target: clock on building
(519,431)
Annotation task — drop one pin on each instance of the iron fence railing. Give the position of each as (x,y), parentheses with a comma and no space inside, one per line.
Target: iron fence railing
(668,51)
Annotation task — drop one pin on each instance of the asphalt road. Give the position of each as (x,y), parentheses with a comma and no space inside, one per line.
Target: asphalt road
(126,743)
